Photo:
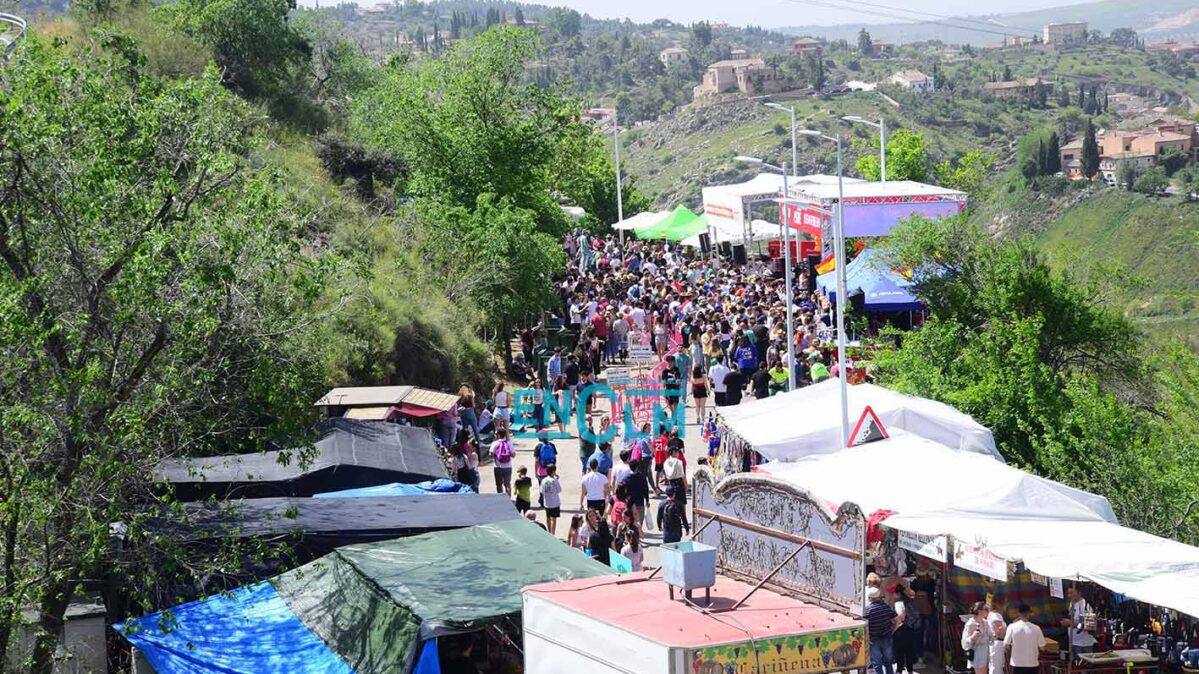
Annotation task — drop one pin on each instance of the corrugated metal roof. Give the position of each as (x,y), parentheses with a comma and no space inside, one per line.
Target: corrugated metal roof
(368,413)
(364,396)
(432,399)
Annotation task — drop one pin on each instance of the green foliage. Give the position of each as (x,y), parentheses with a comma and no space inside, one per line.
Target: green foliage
(1038,154)
(566,23)
(1172,161)
(1034,355)
(1090,152)
(584,172)
(969,174)
(154,301)
(906,157)
(1153,181)
(1126,174)
(865,45)
(468,124)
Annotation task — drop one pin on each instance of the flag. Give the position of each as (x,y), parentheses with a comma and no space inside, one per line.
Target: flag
(827,264)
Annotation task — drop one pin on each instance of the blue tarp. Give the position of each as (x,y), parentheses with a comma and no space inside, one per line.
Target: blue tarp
(248,631)
(884,289)
(441,486)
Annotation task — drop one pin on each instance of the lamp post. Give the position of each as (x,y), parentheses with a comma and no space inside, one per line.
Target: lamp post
(882,140)
(839,252)
(794,147)
(789,297)
(619,190)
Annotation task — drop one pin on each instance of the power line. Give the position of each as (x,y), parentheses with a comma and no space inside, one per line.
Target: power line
(964,19)
(830,4)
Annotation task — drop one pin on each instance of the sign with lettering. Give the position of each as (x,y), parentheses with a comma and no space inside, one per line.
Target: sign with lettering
(834,650)
(760,521)
(1054,584)
(641,353)
(980,561)
(933,547)
(619,376)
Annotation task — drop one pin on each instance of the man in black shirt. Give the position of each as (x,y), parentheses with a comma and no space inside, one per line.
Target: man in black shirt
(735,384)
(571,370)
(761,382)
(672,381)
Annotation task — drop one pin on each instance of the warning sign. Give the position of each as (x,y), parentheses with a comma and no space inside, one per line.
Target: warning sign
(868,429)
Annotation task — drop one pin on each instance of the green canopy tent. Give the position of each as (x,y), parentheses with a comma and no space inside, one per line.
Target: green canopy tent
(364,609)
(679,219)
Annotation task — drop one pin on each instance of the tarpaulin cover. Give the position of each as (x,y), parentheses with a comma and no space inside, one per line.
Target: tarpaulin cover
(373,602)
(680,217)
(368,516)
(807,421)
(349,453)
(442,486)
(884,289)
(248,631)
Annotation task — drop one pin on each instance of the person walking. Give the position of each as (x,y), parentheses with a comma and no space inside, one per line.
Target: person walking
(718,375)
(882,621)
(977,638)
(466,412)
(672,517)
(699,391)
(594,488)
(503,406)
(907,649)
(1024,640)
(998,624)
(551,496)
(502,453)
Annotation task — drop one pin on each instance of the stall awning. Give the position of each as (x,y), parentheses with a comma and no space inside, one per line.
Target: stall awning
(370,413)
(417,411)
(807,421)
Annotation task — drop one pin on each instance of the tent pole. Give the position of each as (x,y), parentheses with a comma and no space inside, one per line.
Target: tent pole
(942,631)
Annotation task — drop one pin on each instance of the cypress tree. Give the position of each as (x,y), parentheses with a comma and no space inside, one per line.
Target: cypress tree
(1053,154)
(1090,152)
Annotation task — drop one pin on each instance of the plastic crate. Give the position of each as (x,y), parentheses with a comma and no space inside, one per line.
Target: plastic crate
(688,565)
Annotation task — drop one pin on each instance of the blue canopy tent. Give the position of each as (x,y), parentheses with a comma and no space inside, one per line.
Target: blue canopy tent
(884,289)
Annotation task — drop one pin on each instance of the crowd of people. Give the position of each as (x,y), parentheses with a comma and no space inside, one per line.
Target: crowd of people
(717,334)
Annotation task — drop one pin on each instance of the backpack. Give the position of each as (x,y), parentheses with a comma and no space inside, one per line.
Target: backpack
(503,451)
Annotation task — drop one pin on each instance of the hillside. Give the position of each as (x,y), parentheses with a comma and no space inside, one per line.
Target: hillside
(1168,18)
(1155,240)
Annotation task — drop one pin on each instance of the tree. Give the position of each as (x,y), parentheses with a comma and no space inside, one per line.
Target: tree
(1090,152)
(1152,181)
(1123,37)
(1189,179)
(1063,98)
(486,131)
(584,171)
(1053,155)
(1007,73)
(865,44)
(1126,175)
(520,17)
(566,23)
(968,175)
(814,68)
(906,157)
(152,299)
(701,35)
(1172,161)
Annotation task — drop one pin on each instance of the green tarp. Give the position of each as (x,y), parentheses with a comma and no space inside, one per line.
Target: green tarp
(373,603)
(680,224)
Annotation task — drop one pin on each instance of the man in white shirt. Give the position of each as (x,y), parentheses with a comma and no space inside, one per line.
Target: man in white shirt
(638,317)
(594,488)
(621,470)
(1025,641)
(717,375)
(1081,641)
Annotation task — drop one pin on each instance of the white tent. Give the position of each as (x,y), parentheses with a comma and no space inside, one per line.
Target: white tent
(1052,529)
(909,474)
(807,421)
(641,220)
(724,231)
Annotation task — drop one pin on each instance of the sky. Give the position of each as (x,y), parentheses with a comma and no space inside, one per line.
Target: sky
(776,13)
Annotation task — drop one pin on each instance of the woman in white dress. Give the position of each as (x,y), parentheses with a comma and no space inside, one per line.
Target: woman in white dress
(998,630)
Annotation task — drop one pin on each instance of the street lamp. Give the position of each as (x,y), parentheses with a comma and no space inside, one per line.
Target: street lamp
(882,140)
(794,147)
(619,195)
(842,297)
(789,297)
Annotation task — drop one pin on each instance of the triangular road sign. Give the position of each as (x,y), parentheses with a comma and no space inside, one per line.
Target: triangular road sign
(868,429)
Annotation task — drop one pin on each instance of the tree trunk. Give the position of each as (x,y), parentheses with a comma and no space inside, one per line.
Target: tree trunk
(505,337)
(50,622)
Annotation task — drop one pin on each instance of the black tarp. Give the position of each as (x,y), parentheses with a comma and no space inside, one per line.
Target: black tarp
(349,454)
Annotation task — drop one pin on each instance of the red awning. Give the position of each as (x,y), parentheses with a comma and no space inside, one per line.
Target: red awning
(417,411)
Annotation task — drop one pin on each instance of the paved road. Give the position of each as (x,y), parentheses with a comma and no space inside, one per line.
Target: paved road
(570,470)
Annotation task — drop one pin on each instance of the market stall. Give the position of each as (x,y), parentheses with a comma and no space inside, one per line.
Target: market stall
(392,606)
(630,624)
(883,289)
(806,422)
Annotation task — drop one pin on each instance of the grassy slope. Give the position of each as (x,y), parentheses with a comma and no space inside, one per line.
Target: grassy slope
(1154,239)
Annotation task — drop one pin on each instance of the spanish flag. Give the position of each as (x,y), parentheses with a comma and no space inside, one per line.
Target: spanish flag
(827,264)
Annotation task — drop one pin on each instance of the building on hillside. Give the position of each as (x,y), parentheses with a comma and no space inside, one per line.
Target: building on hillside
(736,54)
(1015,88)
(913,80)
(882,48)
(806,45)
(1142,148)
(601,116)
(1175,47)
(1065,34)
(749,76)
(673,56)
(1125,103)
